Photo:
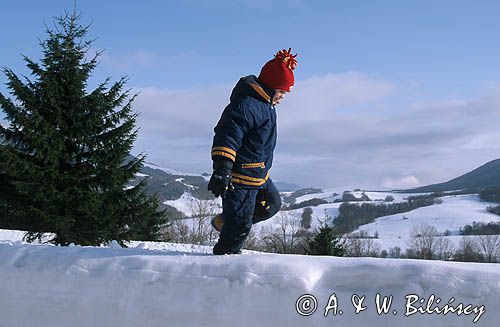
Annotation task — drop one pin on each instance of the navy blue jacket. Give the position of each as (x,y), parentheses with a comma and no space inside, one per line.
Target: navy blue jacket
(246,133)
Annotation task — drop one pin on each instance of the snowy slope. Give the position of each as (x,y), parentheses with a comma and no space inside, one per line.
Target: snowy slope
(373,195)
(173,171)
(452,214)
(179,285)
(188,204)
(455,212)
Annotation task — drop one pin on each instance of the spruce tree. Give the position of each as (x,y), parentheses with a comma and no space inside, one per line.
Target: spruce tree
(326,242)
(65,152)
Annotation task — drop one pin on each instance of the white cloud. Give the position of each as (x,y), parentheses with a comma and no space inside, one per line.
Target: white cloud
(401,183)
(125,61)
(486,141)
(318,99)
(177,125)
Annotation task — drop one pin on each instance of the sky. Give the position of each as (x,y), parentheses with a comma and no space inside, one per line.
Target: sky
(388,94)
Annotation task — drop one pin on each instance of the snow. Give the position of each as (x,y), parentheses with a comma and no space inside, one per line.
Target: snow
(325,195)
(187,203)
(455,212)
(159,283)
(380,196)
(328,211)
(181,180)
(170,170)
(165,284)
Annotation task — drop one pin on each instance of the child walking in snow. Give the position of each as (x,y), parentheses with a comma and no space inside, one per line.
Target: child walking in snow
(242,152)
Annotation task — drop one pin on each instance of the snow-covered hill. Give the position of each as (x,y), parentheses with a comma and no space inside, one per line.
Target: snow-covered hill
(393,231)
(453,213)
(172,171)
(162,284)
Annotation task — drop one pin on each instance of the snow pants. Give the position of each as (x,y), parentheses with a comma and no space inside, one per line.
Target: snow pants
(241,208)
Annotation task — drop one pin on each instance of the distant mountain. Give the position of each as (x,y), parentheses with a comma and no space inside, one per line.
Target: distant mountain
(487,175)
(170,184)
(286,187)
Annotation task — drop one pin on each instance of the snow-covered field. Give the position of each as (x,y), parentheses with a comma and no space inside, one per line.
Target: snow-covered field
(174,171)
(189,205)
(453,213)
(164,284)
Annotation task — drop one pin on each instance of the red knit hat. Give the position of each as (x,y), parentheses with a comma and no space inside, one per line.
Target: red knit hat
(277,73)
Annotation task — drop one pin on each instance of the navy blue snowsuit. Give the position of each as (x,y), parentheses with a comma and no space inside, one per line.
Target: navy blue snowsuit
(246,136)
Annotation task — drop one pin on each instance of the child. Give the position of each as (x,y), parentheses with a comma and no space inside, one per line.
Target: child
(242,152)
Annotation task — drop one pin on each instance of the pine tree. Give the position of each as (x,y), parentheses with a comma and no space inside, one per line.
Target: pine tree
(65,149)
(326,242)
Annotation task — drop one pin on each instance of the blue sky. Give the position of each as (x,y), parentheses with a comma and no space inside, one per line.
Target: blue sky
(388,93)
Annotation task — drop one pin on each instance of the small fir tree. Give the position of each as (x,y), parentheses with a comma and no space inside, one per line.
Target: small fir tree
(65,152)
(326,242)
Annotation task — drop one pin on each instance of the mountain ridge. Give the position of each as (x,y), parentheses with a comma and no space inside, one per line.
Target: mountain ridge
(485,176)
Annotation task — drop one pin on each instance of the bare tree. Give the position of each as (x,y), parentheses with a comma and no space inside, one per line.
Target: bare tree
(252,241)
(283,238)
(395,252)
(468,251)
(423,243)
(490,247)
(444,249)
(177,231)
(428,244)
(357,246)
(197,229)
(201,212)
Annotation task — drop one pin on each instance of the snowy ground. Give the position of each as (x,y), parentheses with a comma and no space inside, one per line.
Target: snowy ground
(454,213)
(189,205)
(162,284)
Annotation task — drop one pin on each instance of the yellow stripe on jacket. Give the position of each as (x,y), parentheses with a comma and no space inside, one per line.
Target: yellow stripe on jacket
(247,180)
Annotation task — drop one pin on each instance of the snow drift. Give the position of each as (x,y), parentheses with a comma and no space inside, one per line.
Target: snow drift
(161,284)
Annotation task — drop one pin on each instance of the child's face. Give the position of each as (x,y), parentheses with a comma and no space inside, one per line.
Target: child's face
(278,96)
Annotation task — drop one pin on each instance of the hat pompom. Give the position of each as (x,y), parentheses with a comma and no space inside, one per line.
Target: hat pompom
(288,58)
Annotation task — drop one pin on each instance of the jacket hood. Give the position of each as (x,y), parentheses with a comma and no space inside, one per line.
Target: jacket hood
(251,86)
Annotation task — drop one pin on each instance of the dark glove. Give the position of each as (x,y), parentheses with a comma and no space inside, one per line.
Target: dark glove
(220,181)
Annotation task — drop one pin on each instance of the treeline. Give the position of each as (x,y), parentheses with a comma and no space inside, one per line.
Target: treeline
(349,197)
(491,194)
(291,233)
(492,228)
(296,194)
(351,215)
(428,244)
(309,203)
(495,210)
